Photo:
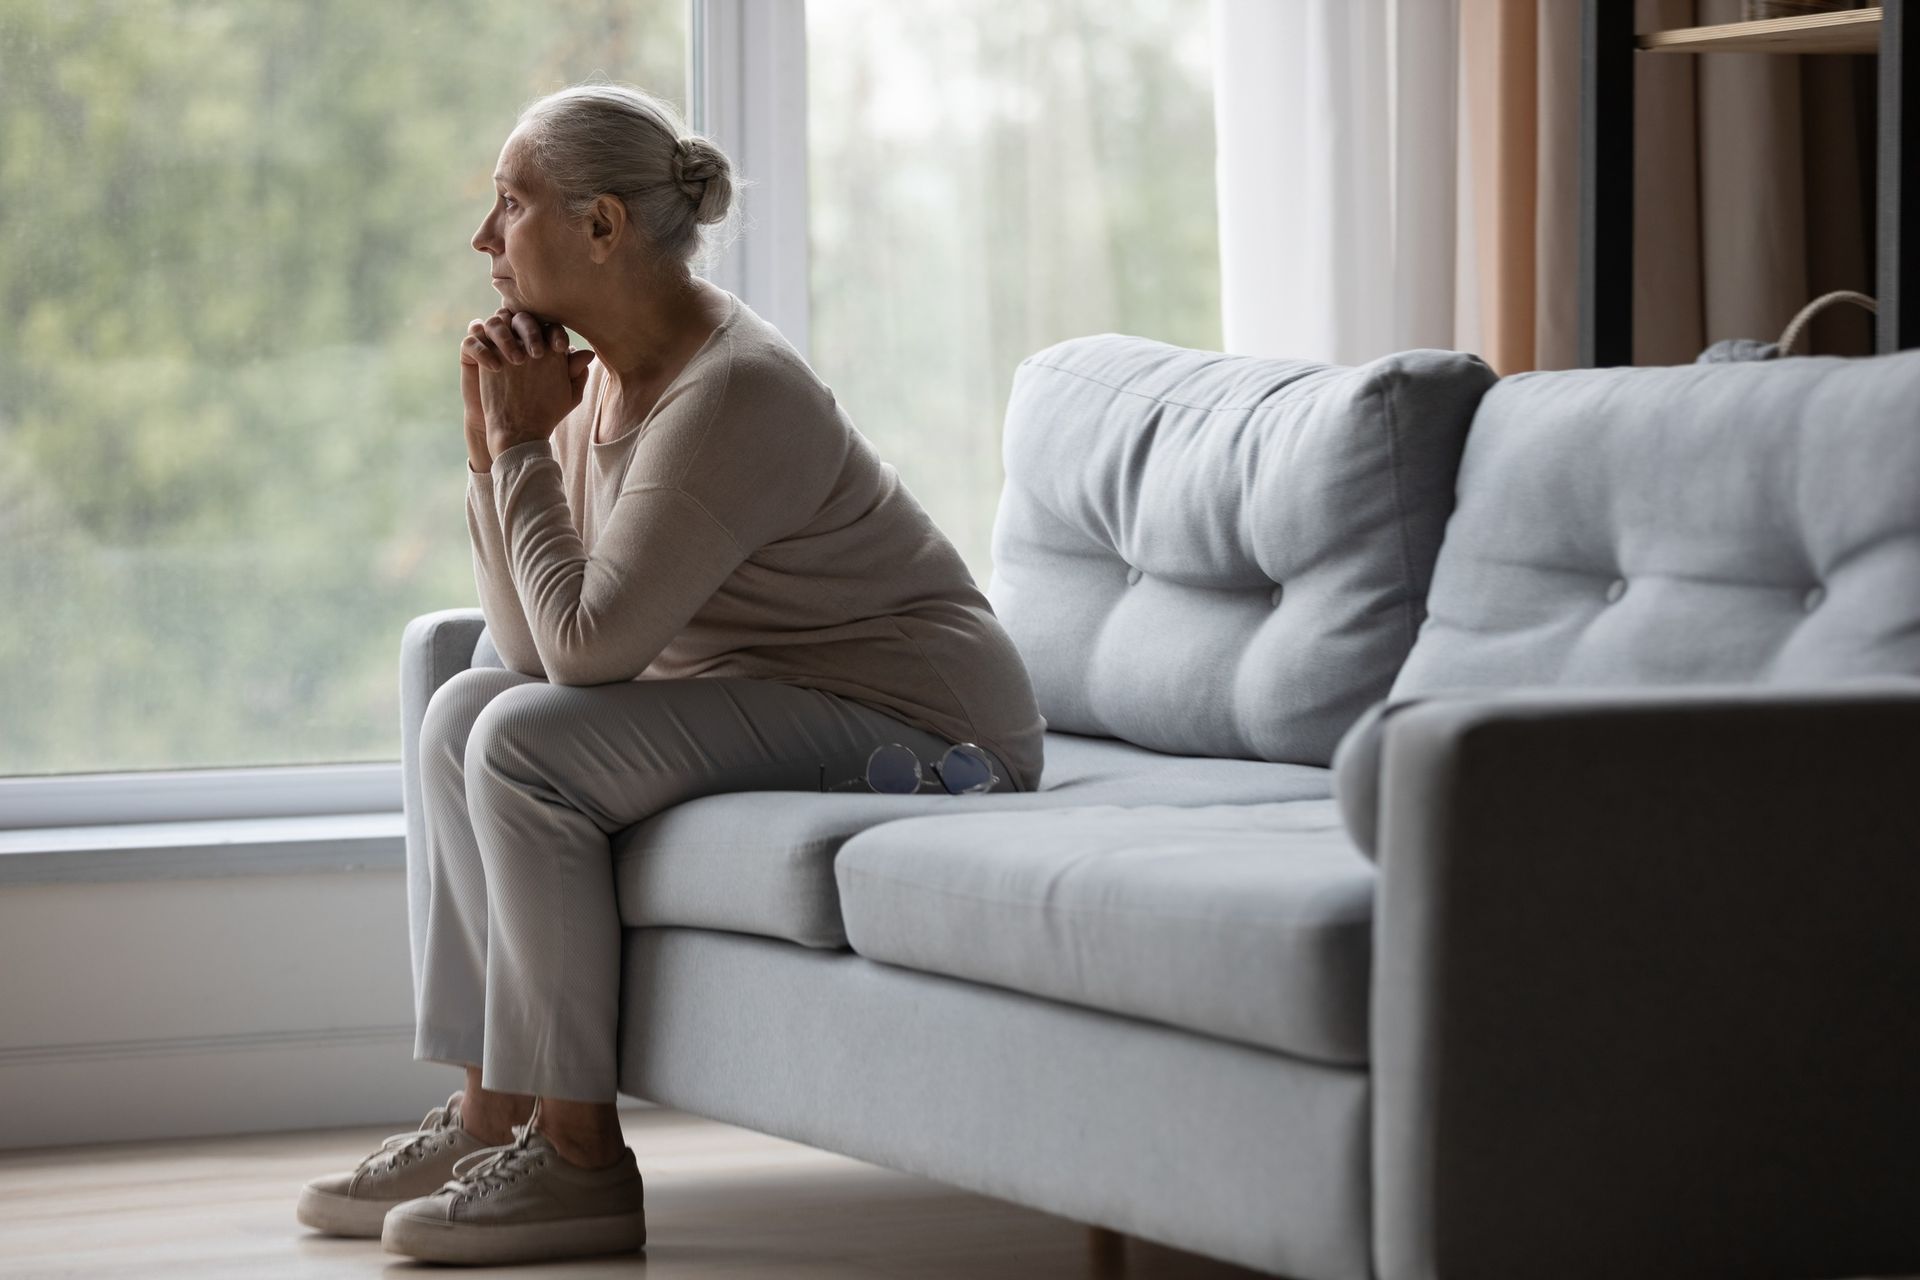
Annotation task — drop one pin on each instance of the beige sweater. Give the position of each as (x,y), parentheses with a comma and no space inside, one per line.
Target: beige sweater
(745,528)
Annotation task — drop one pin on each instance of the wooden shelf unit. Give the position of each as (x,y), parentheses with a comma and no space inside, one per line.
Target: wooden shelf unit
(1845,31)
(1608,49)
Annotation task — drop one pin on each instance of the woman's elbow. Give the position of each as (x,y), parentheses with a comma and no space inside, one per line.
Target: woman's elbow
(587,671)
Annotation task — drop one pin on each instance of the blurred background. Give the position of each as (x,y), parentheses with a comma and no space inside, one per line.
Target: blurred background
(237,270)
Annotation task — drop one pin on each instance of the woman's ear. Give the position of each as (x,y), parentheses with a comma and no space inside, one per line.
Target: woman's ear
(606,227)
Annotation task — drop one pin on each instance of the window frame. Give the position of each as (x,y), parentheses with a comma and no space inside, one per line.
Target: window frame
(198,795)
(746,89)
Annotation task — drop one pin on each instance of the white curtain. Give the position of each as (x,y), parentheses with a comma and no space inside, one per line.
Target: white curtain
(1336,128)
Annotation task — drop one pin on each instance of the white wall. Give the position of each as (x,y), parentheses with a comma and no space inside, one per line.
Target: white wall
(168,1007)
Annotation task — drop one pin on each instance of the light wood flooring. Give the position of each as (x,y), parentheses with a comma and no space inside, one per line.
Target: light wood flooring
(721,1202)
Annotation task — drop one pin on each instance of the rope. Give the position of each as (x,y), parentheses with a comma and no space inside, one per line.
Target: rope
(1800,321)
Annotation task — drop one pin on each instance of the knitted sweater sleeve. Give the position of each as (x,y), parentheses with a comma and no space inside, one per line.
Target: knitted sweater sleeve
(506,619)
(604,617)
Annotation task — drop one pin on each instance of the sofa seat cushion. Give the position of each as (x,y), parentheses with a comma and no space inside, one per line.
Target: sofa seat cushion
(762,861)
(1251,923)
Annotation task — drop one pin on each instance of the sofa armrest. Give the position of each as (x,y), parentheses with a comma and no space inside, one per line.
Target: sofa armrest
(1647,984)
(433,648)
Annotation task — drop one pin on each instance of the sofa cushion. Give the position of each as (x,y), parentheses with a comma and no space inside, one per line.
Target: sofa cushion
(762,861)
(1251,923)
(1222,555)
(1652,526)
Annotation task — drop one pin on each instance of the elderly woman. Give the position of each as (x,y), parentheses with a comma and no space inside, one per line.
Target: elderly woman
(700,578)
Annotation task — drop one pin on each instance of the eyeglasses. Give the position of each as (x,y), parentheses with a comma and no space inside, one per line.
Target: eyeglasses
(893,769)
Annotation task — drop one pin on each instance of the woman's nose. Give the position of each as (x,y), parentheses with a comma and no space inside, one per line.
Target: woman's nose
(484,236)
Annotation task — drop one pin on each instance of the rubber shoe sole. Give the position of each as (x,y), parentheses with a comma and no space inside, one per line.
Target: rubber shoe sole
(431,1240)
(342,1215)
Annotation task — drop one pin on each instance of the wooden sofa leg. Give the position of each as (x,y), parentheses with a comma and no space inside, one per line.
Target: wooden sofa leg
(1106,1252)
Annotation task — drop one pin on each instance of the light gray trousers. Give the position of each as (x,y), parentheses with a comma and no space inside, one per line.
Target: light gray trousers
(515,930)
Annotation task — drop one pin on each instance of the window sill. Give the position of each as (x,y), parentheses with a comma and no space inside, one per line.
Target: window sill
(202,849)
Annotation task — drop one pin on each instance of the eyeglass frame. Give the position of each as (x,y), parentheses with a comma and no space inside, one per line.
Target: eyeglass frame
(939,778)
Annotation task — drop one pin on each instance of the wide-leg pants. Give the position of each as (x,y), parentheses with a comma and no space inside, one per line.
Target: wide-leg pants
(514,925)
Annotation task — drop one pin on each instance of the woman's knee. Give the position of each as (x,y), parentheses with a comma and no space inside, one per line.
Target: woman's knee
(458,703)
(520,727)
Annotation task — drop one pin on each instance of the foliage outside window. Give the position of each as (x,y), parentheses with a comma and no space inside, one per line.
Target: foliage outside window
(986,178)
(234,258)
(234,251)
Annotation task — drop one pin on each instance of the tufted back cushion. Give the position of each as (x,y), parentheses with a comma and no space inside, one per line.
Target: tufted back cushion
(1222,555)
(1725,522)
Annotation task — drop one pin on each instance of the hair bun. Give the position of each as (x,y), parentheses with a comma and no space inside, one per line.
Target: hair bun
(598,139)
(700,170)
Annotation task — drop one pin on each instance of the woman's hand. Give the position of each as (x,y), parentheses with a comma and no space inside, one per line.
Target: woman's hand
(518,379)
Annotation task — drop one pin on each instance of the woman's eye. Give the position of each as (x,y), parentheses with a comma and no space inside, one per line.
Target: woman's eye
(507,201)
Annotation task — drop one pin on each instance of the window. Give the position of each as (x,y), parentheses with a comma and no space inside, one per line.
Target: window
(234,254)
(988,177)
(235,267)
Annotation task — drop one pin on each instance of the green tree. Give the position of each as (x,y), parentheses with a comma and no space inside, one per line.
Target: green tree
(234,246)
(234,249)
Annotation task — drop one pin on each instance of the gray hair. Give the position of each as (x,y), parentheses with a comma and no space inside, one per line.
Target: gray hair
(595,139)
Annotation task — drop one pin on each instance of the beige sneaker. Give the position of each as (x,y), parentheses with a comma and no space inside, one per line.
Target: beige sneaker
(523,1202)
(406,1165)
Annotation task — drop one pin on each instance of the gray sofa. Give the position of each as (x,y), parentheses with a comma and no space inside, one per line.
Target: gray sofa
(1539,900)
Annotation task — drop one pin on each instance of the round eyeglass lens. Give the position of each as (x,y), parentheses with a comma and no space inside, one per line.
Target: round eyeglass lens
(894,770)
(965,769)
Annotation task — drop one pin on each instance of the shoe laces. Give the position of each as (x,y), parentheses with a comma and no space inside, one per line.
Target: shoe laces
(481,1173)
(402,1147)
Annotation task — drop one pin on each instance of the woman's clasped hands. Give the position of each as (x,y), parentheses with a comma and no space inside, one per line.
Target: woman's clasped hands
(519,376)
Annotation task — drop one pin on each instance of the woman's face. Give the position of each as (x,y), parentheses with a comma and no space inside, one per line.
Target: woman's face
(535,253)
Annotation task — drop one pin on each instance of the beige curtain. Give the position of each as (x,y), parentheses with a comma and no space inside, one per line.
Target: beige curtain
(1498,180)
(1753,177)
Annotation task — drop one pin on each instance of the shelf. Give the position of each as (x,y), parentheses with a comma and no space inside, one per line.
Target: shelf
(1609,49)
(1844,31)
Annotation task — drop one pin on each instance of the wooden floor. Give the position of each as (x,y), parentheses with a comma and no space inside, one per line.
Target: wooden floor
(721,1202)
